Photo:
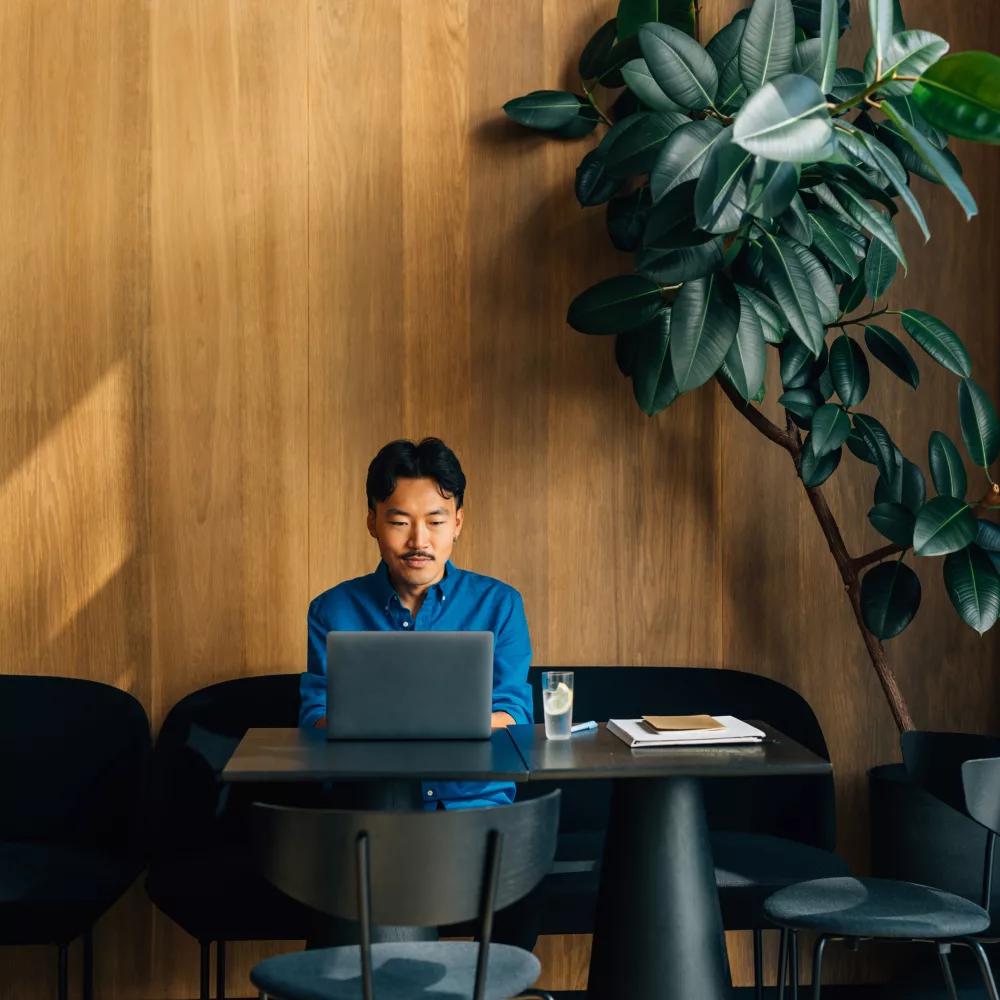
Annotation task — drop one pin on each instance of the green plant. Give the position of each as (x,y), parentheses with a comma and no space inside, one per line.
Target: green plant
(756,182)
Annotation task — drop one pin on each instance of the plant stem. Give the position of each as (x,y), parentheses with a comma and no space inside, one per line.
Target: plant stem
(836,109)
(854,320)
(877,555)
(593,104)
(845,564)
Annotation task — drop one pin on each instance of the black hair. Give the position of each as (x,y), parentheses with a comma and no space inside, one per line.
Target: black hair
(431,458)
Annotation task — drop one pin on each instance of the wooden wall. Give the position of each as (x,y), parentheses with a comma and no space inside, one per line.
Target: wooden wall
(247,242)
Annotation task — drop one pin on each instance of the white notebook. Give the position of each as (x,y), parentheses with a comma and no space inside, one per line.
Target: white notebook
(635,733)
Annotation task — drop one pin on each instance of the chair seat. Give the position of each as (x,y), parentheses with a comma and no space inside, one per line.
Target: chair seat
(749,867)
(431,970)
(220,894)
(870,907)
(50,894)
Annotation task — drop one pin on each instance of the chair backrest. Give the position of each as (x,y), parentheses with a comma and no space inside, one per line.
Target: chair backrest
(963,771)
(191,807)
(427,868)
(76,764)
(800,808)
(935,762)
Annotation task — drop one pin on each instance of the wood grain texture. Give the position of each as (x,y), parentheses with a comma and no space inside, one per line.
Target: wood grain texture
(247,242)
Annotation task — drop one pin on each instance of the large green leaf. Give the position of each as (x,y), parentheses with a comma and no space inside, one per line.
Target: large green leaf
(771,187)
(786,119)
(866,215)
(978,418)
(938,340)
(543,109)
(879,444)
(796,222)
(944,524)
(909,53)
(822,284)
(789,283)
(852,293)
(683,70)
(907,109)
(831,427)
(890,597)
(593,186)
(987,535)
(848,83)
(832,243)
(947,468)
(960,95)
(704,324)
(671,223)
(938,163)
(685,264)
(615,305)
(880,269)
(636,150)
(772,319)
(803,402)
(596,51)
(632,14)
(626,218)
(885,347)
(974,587)
(746,360)
(798,365)
(623,53)
(907,486)
(893,521)
(724,49)
(768,43)
(720,198)
(683,155)
(880,14)
(849,368)
(814,470)
(807,60)
(829,35)
(885,160)
(640,81)
(653,382)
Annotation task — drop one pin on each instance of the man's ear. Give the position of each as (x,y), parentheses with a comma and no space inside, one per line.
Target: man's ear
(459,518)
(371,523)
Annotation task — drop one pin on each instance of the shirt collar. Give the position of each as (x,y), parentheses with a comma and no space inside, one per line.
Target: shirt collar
(386,591)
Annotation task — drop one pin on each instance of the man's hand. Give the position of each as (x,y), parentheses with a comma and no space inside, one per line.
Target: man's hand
(500,720)
(320,723)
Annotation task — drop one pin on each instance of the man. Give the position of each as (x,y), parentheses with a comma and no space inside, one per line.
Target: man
(415,495)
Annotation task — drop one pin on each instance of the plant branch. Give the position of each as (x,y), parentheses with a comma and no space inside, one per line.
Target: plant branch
(751,413)
(989,501)
(854,320)
(877,555)
(594,105)
(836,109)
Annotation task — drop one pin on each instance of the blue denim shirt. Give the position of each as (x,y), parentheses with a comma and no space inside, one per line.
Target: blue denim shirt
(461,601)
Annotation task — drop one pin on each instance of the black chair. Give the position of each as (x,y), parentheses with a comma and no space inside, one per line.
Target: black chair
(964,772)
(408,869)
(76,760)
(202,873)
(766,833)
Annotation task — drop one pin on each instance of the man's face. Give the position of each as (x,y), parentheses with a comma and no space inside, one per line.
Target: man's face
(416,529)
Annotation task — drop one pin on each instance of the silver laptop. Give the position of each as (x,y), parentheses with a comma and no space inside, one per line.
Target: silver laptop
(409,685)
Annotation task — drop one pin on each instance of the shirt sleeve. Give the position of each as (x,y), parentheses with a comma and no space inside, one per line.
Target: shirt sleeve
(511,659)
(312,687)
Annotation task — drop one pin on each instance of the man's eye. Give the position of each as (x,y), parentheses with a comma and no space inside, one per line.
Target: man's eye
(436,523)
(398,524)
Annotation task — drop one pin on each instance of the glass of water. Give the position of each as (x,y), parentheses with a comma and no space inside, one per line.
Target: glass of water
(557,703)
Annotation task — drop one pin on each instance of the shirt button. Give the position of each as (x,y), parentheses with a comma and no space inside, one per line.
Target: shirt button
(406,624)
(430,792)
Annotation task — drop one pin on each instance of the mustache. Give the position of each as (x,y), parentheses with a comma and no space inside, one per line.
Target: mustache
(417,555)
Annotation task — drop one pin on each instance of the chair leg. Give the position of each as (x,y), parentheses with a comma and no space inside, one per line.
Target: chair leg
(949,980)
(782,964)
(206,969)
(63,987)
(220,970)
(818,950)
(793,945)
(984,968)
(758,964)
(88,964)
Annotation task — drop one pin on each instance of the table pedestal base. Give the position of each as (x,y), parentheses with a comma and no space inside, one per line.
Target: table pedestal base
(658,933)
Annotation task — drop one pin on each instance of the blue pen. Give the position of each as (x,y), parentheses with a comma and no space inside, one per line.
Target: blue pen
(582,726)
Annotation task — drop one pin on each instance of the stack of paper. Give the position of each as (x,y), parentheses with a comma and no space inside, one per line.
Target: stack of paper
(637,733)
